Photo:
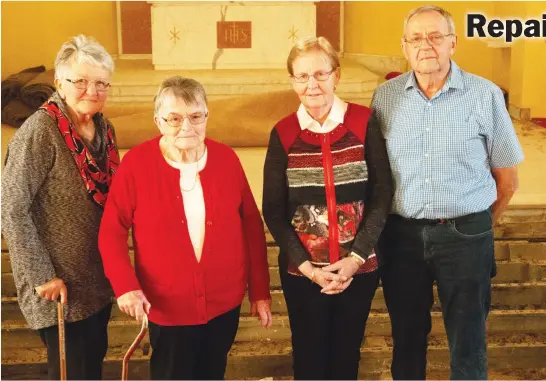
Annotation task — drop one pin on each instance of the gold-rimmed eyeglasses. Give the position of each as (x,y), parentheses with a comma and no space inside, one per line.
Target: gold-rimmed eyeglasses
(177,120)
(434,39)
(320,76)
(83,84)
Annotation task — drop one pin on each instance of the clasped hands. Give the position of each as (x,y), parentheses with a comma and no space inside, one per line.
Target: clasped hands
(334,278)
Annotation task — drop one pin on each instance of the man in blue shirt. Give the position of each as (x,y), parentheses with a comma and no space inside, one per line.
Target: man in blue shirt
(453,152)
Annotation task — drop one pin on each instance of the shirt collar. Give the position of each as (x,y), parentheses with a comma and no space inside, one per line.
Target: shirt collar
(454,78)
(336,115)
(411,82)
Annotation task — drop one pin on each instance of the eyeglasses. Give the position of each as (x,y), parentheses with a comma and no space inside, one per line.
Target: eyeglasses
(435,39)
(177,120)
(320,76)
(83,84)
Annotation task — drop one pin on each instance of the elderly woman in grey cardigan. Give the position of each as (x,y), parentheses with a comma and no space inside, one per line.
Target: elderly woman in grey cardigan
(59,166)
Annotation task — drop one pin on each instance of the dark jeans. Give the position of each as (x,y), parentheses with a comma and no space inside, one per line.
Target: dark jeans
(458,255)
(327,330)
(86,343)
(193,352)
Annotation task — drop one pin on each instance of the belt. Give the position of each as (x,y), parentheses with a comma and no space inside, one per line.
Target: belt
(422,221)
(437,221)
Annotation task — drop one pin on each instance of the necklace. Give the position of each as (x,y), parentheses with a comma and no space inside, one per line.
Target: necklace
(196,173)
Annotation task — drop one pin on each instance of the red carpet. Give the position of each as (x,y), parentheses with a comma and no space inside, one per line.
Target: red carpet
(540,121)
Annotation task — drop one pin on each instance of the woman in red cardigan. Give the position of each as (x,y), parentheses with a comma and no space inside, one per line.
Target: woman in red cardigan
(198,239)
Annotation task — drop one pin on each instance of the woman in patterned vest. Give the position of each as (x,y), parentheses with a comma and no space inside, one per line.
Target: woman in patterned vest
(327,193)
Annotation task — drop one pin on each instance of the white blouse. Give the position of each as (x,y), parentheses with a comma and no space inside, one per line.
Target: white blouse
(194,202)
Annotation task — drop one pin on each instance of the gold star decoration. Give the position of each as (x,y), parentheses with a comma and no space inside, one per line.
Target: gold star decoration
(174,35)
(292,33)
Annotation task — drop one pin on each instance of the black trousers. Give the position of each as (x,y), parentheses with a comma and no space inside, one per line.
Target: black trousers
(327,330)
(86,343)
(456,253)
(193,352)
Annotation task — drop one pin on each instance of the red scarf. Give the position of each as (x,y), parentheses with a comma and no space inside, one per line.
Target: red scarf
(96,181)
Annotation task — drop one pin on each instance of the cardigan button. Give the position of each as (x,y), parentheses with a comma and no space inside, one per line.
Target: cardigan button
(209,223)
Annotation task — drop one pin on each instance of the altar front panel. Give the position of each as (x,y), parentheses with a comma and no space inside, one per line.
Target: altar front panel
(185,34)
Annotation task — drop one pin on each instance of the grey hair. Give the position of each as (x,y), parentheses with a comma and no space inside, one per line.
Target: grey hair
(432,8)
(187,89)
(81,49)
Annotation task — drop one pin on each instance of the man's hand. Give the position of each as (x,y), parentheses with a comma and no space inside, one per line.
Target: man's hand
(262,308)
(52,289)
(134,304)
(506,180)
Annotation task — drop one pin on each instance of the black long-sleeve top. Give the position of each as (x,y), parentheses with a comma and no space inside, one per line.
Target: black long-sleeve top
(327,195)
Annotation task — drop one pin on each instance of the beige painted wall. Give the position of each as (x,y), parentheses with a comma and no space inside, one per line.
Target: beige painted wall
(525,61)
(375,28)
(33,32)
(534,63)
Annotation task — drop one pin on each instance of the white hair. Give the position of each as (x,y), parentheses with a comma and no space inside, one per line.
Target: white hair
(432,8)
(81,49)
(186,89)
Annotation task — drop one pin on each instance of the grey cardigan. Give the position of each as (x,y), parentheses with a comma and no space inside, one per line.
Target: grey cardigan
(50,223)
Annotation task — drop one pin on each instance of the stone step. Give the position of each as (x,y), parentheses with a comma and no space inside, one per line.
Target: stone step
(516,251)
(523,223)
(272,255)
(520,234)
(259,359)
(127,97)
(510,296)
(16,335)
(505,250)
(124,92)
(520,296)
(507,272)
(138,82)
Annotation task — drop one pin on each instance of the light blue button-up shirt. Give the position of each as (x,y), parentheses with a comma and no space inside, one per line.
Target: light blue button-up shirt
(442,150)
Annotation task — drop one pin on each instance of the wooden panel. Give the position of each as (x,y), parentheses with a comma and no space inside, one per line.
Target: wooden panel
(136,27)
(329,22)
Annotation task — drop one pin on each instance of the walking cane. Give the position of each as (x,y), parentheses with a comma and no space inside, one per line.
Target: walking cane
(133,347)
(62,349)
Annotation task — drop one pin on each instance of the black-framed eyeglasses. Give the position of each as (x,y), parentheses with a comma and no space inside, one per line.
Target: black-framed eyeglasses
(434,39)
(83,84)
(320,76)
(177,120)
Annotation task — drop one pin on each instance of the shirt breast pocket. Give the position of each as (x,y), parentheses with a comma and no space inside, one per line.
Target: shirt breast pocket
(465,140)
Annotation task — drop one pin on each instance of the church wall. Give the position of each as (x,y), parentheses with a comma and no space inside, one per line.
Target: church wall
(33,32)
(376,28)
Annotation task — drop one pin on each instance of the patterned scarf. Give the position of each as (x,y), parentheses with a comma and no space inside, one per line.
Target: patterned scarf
(97,182)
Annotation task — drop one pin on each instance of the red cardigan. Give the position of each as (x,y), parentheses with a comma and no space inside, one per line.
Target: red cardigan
(145,196)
